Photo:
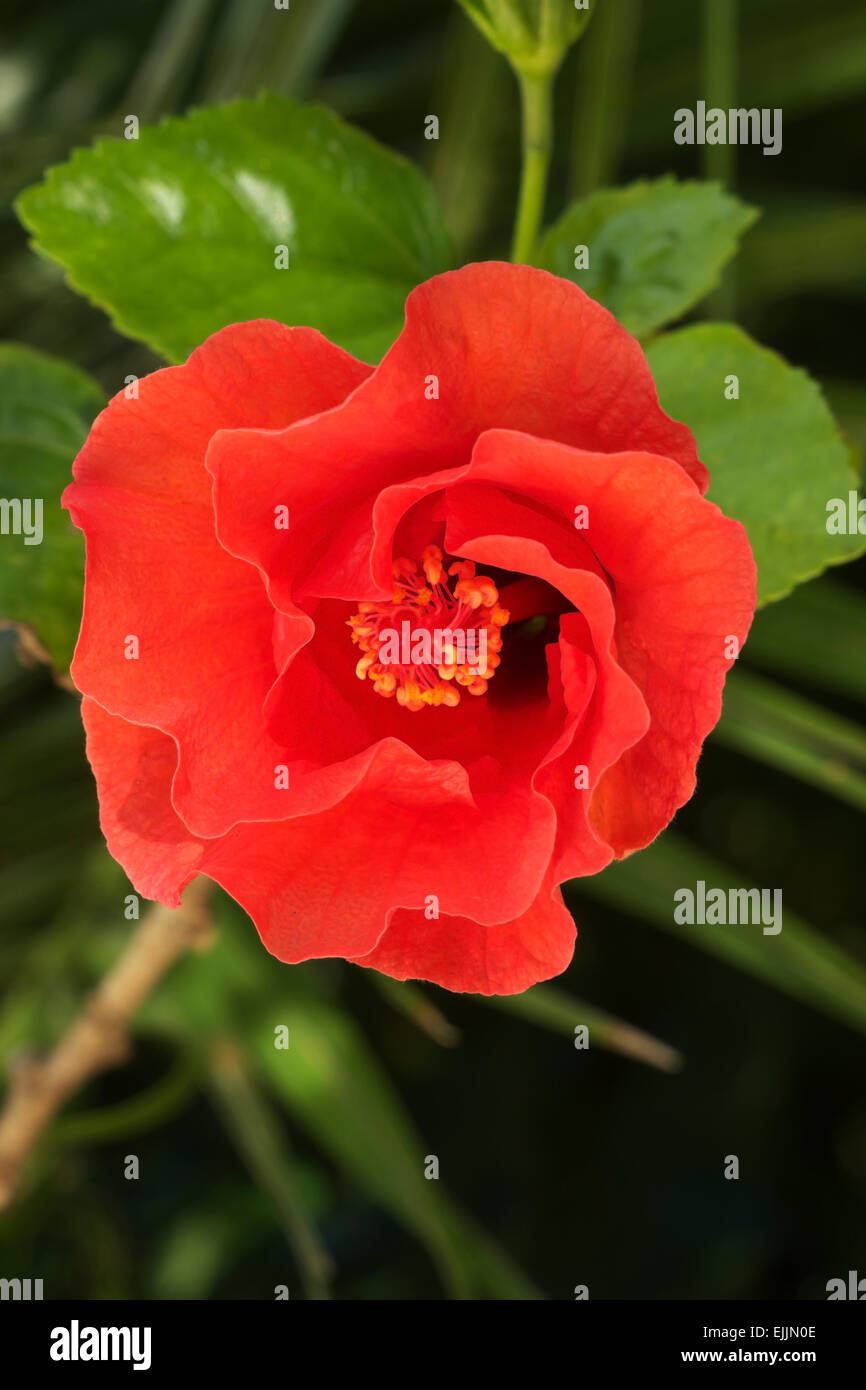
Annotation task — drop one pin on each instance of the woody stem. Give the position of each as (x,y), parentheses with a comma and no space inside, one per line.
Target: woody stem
(99,1036)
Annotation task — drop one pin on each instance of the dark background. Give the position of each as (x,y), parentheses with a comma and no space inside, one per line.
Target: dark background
(586,1167)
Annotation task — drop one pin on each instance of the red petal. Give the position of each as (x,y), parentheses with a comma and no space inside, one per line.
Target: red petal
(609,713)
(325,885)
(458,954)
(156,571)
(512,347)
(133,766)
(684,582)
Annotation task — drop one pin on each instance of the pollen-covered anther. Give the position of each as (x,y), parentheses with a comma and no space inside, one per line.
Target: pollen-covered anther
(439,635)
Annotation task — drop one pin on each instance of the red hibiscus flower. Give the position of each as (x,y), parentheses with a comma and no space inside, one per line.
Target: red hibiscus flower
(392,652)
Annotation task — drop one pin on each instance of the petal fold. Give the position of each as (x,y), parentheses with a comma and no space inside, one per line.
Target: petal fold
(177,633)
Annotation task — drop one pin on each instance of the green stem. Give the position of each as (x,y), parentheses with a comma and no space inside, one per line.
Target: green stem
(720,84)
(555,1009)
(719,79)
(603,91)
(536,100)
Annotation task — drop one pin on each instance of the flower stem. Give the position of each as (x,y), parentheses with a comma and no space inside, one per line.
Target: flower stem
(536,100)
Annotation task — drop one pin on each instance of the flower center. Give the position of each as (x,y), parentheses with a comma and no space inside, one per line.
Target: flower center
(440,633)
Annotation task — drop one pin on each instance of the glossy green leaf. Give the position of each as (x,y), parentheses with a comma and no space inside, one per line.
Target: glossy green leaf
(774,454)
(654,248)
(799,960)
(177,233)
(45,410)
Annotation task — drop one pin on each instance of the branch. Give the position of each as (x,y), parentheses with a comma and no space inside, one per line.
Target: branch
(99,1037)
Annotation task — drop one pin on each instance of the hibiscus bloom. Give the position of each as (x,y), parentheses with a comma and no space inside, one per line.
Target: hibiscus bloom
(270,523)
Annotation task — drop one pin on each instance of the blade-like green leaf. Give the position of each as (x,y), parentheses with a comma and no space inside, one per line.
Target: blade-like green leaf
(778,260)
(45,410)
(554,1009)
(604,90)
(333,1084)
(413,1003)
(473,99)
(818,635)
(804,57)
(150,1109)
(775,456)
(799,960)
(795,735)
(654,248)
(176,233)
(255,1133)
(543,1004)
(205,1239)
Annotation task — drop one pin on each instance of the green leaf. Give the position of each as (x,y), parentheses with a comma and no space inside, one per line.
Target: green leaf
(46,408)
(543,1004)
(149,1110)
(414,1004)
(333,1084)
(560,1012)
(786,731)
(818,635)
(779,261)
(256,1135)
(175,233)
(775,455)
(799,960)
(205,1240)
(655,248)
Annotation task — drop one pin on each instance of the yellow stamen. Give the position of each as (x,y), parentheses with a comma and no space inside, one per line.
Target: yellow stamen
(454,600)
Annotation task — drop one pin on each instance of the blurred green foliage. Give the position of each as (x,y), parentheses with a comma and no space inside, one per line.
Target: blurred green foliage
(558,1166)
